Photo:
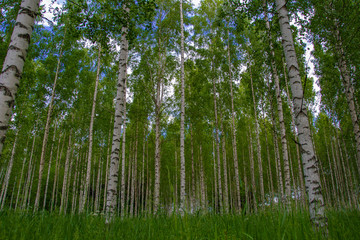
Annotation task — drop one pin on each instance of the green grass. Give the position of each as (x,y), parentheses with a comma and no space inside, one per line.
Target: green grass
(270,224)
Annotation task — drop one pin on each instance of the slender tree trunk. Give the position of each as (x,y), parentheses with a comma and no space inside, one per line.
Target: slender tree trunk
(277,158)
(328,196)
(21,175)
(69,181)
(176,181)
(312,177)
(26,187)
(123,161)
(143,173)
(346,182)
(217,139)
(193,197)
(14,62)
(335,195)
(226,190)
(12,193)
(246,191)
(134,175)
(127,200)
(261,178)
(269,165)
(202,182)
(182,116)
(349,91)
(66,171)
(58,156)
(303,193)
(47,128)
(233,129)
(280,109)
(88,171)
(158,104)
(349,168)
(76,176)
(107,165)
(336,173)
(148,179)
(216,202)
(30,188)
(96,209)
(49,168)
(119,119)
(8,173)
(253,184)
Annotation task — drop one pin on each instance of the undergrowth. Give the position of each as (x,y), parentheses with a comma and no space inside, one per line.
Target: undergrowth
(269,224)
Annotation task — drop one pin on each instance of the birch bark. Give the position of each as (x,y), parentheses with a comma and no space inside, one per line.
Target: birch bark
(312,177)
(261,178)
(279,108)
(8,173)
(119,120)
(349,91)
(14,62)
(182,116)
(233,128)
(47,128)
(66,171)
(88,168)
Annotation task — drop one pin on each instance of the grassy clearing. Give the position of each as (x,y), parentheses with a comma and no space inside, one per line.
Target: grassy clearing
(343,224)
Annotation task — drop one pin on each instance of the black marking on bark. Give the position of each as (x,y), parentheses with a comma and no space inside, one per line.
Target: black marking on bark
(22,57)
(20,25)
(25,36)
(6,90)
(14,68)
(27,11)
(4,128)
(12,47)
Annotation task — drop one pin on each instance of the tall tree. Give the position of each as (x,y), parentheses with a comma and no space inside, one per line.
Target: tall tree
(14,62)
(312,177)
(182,115)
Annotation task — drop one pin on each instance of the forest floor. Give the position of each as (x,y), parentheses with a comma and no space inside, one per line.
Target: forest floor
(268,224)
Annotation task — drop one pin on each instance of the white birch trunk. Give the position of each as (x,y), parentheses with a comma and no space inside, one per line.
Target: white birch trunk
(349,92)
(123,161)
(88,168)
(58,155)
(14,62)
(8,173)
(47,128)
(202,182)
(66,171)
(119,119)
(49,168)
(261,178)
(280,109)
(182,116)
(233,128)
(134,176)
(252,169)
(193,197)
(312,177)
(223,145)
(26,187)
(21,175)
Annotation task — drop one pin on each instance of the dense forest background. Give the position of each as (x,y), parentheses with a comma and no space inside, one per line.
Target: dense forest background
(240,149)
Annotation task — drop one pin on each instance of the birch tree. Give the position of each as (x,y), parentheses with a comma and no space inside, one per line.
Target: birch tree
(14,62)
(311,174)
